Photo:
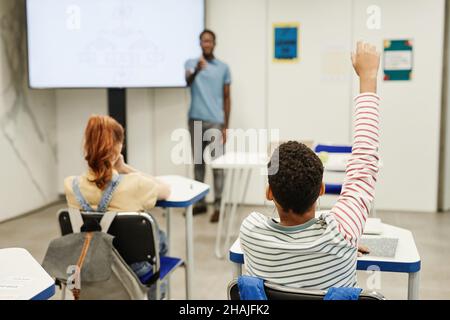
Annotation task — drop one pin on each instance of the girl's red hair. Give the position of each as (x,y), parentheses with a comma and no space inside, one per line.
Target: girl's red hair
(101,137)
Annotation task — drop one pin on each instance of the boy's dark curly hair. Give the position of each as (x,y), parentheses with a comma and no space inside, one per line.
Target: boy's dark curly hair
(296,184)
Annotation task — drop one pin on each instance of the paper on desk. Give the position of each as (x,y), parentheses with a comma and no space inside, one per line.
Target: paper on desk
(373,226)
(379,246)
(14,282)
(10,286)
(182,188)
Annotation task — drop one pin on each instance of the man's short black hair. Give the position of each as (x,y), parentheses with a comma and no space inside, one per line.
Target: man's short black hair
(208,31)
(296,184)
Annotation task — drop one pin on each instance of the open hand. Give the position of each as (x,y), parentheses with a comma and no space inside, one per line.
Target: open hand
(202,63)
(366,60)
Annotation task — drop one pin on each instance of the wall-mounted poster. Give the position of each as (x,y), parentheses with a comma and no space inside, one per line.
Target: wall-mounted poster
(286,44)
(398,60)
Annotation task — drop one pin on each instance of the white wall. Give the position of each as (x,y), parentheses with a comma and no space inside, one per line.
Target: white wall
(140,132)
(170,113)
(309,99)
(242,43)
(148,128)
(74,108)
(27,125)
(446,186)
(306,100)
(445,191)
(446,172)
(410,112)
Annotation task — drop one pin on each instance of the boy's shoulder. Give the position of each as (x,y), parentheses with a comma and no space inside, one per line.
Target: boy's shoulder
(255,218)
(254,221)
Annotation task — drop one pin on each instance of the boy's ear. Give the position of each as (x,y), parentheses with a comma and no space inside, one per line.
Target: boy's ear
(269,194)
(322,189)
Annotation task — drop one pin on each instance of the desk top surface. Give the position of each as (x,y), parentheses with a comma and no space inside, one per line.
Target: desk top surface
(240,160)
(406,259)
(333,161)
(183,191)
(22,277)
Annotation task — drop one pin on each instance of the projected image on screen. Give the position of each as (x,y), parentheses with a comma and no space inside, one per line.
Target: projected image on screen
(112,43)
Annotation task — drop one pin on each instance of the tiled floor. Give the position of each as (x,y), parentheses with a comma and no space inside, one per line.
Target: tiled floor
(431,232)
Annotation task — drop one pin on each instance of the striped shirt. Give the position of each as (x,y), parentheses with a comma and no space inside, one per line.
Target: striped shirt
(321,253)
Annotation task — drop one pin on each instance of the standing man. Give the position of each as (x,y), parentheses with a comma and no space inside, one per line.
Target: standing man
(209,80)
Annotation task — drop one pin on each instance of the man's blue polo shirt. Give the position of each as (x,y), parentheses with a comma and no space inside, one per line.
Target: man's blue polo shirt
(207,90)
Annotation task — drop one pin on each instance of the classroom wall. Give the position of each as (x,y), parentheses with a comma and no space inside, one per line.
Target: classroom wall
(27,124)
(446,172)
(74,108)
(445,191)
(308,100)
(311,100)
(315,91)
(411,110)
(148,131)
(242,43)
(446,164)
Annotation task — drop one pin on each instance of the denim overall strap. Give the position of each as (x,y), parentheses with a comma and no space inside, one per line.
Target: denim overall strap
(107,194)
(79,197)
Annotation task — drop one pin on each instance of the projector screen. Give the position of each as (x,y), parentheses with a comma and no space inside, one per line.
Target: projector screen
(111,43)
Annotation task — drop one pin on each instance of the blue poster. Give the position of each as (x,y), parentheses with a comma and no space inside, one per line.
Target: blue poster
(285,42)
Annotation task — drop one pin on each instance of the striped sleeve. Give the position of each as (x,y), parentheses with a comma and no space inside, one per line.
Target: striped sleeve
(355,200)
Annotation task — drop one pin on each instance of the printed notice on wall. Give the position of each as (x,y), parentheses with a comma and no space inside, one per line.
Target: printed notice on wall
(285,42)
(398,60)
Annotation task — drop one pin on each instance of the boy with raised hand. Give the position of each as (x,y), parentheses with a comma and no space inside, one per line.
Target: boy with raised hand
(300,250)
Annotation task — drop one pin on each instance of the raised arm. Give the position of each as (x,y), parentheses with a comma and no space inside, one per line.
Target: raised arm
(227,110)
(355,201)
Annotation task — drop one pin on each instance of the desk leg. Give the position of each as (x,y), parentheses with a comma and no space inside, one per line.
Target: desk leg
(237,270)
(413,285)
(247,181)
(168,214)
(225,199)
(241,190)
(189,253)
(234,202)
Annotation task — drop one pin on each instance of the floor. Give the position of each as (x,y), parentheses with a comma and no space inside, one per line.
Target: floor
(431,233)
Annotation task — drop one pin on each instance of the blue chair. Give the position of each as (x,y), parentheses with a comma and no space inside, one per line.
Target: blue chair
(278,292)
(136,240)
(334,189)
(332,148)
